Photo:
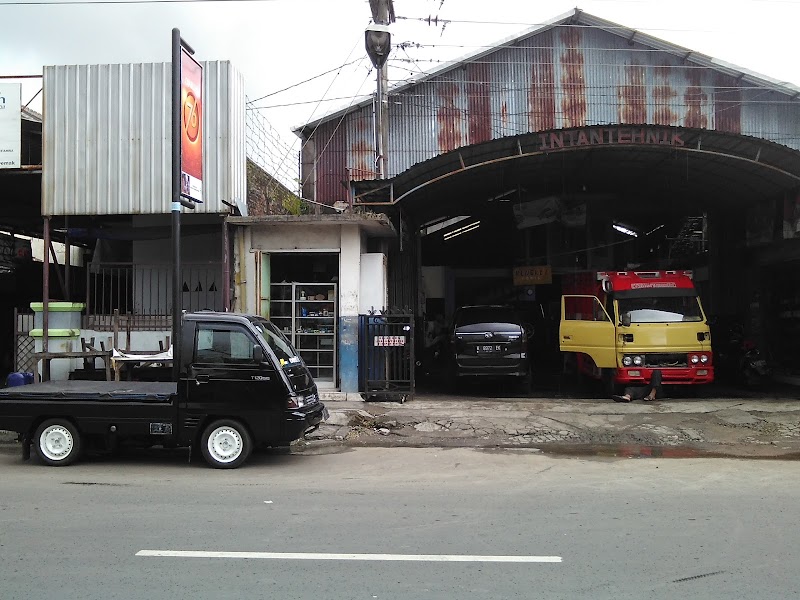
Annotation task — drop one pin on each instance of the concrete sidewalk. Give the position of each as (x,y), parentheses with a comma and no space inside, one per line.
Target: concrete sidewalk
(767,427)
(753,427)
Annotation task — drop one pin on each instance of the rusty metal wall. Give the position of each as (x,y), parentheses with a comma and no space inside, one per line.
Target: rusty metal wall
(107,139)
(566,77)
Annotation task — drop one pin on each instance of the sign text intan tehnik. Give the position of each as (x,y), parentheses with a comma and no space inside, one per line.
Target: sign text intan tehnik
(605,136)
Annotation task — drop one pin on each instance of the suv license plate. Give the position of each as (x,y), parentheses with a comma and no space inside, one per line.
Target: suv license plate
(488,349)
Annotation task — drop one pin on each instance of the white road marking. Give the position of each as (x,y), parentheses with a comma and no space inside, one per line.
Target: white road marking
(362,557)
(267,501)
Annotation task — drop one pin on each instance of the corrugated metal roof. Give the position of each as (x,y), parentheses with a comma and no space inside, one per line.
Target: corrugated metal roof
(560,77)
(107,139)
(578,17)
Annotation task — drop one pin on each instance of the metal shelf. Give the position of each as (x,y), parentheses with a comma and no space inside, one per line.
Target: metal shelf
(289,301)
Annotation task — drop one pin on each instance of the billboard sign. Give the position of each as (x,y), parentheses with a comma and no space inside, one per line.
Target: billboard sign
(191,128)
(10,125)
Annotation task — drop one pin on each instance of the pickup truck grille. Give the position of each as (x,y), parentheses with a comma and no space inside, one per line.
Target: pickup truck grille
(654,361)
(191,422)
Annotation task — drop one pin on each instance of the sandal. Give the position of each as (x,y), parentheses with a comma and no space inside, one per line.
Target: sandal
(621,398)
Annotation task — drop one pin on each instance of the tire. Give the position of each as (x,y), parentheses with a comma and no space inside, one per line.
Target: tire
(57,442)
(226,444)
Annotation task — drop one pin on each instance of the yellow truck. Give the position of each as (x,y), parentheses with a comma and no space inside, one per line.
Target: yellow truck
(620,326)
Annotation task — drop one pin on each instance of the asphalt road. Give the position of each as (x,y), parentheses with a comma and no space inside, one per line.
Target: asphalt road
(606,528)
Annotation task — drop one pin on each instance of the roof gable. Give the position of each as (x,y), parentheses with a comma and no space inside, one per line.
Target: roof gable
(578,17)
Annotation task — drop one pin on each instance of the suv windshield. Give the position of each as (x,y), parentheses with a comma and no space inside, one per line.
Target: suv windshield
(277,342)
(492,318)
(661,309)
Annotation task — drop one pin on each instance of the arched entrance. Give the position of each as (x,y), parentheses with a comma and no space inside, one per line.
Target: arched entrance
(587,199)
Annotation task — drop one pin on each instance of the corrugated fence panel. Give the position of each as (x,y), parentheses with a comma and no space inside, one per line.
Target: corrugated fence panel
(107,139)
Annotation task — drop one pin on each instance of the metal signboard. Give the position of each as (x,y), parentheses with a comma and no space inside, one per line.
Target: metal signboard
(191,128)
(533,275)
(10,125)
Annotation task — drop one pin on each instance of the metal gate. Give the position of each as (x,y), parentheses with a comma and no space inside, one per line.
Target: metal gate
(386,356)
(24,345)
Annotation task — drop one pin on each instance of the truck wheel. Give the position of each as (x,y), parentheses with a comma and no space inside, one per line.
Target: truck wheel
(57,442)
(226,444)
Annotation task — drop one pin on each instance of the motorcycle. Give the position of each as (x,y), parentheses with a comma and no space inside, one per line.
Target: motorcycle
(753,368)
(737,359)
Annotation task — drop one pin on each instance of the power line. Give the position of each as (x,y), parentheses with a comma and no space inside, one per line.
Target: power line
(299,83)
(435,21)
(85,2)
(299,103)
(286,155)
(333,133)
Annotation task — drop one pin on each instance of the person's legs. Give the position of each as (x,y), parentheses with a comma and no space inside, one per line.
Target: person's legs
(654,389)
(633,393)
(651,391)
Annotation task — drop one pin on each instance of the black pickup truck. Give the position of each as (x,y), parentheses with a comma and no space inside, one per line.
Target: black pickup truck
(241,385)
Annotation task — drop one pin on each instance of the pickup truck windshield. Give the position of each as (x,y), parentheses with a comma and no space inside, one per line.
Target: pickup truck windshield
(278,343)
(661,309)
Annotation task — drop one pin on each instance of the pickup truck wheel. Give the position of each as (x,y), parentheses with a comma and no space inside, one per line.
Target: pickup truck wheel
(226,444)
(57,442)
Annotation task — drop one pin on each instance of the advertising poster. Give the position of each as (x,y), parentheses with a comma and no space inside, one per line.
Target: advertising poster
(10,125)
(191,128)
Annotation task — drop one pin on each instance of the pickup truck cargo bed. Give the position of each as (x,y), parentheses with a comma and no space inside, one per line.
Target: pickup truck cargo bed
(139,391)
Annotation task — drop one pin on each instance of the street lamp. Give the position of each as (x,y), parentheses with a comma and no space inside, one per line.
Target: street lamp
(378,42)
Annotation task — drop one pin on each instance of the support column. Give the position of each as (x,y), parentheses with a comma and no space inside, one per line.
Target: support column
(349,281)
(46,300)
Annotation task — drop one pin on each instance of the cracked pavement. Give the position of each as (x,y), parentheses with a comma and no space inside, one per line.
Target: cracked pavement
(753,427)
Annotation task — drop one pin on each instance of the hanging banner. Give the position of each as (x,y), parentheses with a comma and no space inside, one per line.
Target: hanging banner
(191,128)
(537,212)
(10,125)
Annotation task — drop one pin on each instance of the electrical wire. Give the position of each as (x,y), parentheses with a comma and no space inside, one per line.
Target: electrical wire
(435,21)
(88,2)
(299,83)
(298,103)
(333,133)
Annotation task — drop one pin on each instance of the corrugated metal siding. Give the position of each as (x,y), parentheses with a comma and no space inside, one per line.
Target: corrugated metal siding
(360,132)
(330,142)
(571,77)
(107,139)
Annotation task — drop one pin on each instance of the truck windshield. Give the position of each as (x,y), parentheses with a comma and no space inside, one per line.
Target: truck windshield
(277,342)
(661,309)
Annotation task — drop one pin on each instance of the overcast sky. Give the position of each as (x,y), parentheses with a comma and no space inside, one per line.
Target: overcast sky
(278,43)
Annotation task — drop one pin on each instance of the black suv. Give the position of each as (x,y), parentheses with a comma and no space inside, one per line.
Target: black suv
(490,340)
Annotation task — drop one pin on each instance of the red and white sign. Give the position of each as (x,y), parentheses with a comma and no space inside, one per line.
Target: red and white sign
(390,340)
(191,128)
(653,284)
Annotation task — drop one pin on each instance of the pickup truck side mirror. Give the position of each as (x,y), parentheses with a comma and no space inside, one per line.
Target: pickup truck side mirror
(258,354)
(626,320)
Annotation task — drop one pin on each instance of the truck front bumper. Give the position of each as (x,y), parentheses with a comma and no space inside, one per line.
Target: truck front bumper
(669,376)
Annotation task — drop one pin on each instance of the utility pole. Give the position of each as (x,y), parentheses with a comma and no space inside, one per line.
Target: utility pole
(378,43)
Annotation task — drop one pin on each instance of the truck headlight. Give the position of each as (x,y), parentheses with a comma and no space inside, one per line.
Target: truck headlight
(627,361)
(638,361)
(695,359)
(704,358)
